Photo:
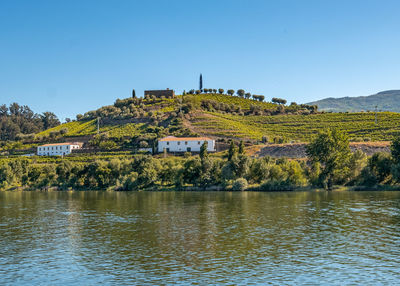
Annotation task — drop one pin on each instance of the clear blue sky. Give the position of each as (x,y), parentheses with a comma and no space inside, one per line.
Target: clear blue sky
(73,56)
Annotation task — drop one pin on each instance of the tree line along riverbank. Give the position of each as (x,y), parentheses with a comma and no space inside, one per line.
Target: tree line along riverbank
(329,163)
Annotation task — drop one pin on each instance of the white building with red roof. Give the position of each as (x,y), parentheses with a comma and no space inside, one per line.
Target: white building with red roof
(57,149)
(184,144)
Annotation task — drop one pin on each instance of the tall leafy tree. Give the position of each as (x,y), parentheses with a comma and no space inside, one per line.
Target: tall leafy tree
(3,110)
(331,149)
(49,120)
(18,119)
(395,149)
(240,92)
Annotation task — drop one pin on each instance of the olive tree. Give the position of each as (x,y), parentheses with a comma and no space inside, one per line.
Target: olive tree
(240,92)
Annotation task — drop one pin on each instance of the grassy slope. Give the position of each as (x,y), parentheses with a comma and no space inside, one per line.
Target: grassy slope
(82,128)
(75,128)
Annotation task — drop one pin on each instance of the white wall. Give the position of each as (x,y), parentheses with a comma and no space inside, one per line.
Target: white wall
(56,150)
(183,145)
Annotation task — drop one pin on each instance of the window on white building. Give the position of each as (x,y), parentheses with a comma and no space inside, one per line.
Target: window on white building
(185,142)
(179,143)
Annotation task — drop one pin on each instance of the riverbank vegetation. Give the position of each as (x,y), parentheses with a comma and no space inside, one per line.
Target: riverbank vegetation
(330,163)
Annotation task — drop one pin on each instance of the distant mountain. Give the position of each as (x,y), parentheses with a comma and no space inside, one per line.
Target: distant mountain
(386,101)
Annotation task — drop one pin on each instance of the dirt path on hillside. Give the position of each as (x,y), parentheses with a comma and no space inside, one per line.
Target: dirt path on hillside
(195,129)
(298,150)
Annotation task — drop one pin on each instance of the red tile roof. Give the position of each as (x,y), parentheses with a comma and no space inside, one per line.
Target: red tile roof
(58,144)
(173,138)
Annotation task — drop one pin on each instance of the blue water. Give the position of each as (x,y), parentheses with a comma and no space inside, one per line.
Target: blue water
(199,238)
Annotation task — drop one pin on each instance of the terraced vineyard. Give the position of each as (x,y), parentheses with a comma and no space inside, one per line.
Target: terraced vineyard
(301,128)
(83,128)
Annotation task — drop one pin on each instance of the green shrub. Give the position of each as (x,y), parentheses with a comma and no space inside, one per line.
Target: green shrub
(239,184)
(108,145)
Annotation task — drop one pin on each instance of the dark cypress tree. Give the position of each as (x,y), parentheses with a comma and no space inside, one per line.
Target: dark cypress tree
(203,151)
(241,148)
(133,93)
(232,151)
(201,82)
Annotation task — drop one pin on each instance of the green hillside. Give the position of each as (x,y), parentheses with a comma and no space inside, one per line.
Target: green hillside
(153,117)
(220,116)
(384,101)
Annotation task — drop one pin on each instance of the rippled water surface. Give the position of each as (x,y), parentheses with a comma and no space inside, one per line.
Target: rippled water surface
(201,238)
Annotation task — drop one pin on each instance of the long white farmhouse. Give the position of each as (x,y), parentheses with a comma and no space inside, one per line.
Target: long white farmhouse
(57,149)
(184,144)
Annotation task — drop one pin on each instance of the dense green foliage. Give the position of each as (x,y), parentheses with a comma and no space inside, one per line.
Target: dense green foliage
(145,172)
(332,151)
(330,163)
(19,121)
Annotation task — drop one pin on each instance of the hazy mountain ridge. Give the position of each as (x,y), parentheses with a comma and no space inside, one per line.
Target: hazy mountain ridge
(388,100)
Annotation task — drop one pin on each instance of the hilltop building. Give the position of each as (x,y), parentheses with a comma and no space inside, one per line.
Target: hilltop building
(184,144)
(57,149)
(167,93)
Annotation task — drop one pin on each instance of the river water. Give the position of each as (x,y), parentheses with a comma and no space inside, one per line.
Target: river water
(199,238)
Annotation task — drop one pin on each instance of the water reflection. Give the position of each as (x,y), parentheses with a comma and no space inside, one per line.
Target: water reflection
(203,238)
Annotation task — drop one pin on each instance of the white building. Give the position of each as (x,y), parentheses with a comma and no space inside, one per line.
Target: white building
(57,149)
(184,144)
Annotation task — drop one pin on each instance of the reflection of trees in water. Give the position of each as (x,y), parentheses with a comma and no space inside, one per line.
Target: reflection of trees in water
(162,234)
